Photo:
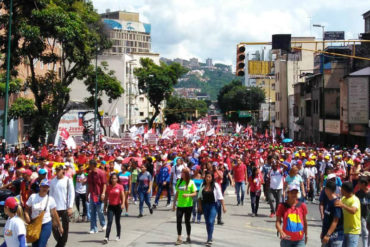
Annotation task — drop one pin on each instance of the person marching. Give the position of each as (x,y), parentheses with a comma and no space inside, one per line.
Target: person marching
(293,213)
(209,194)
(185,191)
(144,188)
(115,202)
(14,229)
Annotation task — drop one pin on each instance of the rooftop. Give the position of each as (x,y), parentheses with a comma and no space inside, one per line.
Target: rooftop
(361,72)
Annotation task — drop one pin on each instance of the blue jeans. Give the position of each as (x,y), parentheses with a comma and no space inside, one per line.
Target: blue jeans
(195,209)
(364,232)
(44,235)
(159,192)
(133,191)
(210,212)
(288,243)
(240,186)
(88,211)
(144,196)
(336,243)
(351,240)
(96,208)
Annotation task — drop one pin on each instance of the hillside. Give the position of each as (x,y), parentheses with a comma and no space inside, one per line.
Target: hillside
(209,80)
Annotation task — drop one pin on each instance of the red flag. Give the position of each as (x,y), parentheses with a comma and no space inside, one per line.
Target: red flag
(64,133)
(146,129)
(266,134)
(44,152)
(175,126)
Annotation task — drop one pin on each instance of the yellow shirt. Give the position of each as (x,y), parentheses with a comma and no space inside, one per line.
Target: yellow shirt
(352,222)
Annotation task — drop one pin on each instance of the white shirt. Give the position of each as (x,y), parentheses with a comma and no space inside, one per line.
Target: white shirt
(58,190)
(276,179)
(13,228)
(38,203)
(176,172)
(80,188)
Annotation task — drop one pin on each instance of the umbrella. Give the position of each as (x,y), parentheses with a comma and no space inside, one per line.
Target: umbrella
(138,159)
(287,140)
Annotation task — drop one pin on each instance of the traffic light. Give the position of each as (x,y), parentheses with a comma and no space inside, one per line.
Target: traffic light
(240,60)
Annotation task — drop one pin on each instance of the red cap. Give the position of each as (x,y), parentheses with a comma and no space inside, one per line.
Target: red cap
(11,202)
(28,172)
(357,160)
(299,162)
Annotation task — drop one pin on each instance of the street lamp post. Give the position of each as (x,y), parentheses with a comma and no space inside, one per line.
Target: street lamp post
(5,119)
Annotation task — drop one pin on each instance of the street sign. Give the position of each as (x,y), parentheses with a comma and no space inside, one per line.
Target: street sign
(244,114)
(334,35)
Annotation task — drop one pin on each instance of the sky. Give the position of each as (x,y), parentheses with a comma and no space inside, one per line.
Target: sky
(212,28)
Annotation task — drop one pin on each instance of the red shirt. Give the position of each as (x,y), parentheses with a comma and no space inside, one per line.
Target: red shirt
(293,224)
(114,194)
(256,183)
(25,191)
(239,173)
(340,173)
(96,181)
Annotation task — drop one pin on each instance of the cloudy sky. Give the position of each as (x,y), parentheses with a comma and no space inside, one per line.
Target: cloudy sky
(212,28)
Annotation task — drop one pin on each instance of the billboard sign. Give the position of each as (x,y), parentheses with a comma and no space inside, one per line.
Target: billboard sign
(334,35)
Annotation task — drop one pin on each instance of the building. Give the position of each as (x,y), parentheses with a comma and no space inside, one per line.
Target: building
(267,83)
(367,21)
(194,63)
(126,32)
(209,63)
(132,108)
(288,69)
(354,117)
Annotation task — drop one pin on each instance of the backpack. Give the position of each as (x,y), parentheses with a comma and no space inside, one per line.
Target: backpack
(294,224)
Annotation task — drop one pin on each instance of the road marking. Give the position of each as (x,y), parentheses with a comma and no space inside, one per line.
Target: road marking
(248,225)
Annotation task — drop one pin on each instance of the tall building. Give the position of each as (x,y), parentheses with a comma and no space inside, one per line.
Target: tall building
(209,62)
(367,21)
(126,32)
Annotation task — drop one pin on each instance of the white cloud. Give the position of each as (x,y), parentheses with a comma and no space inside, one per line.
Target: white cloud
(212,28)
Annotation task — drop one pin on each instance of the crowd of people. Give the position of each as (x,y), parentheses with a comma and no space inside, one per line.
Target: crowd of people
(192,176)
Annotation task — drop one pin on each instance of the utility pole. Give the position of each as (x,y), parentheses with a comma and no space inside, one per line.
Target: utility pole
(6,103)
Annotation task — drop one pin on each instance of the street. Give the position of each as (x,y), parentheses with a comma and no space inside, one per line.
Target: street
(159,229)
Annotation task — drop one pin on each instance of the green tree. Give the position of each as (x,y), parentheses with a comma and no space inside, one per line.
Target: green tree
(65,33)
(181,109)
(157,81)
(108,84)
(15,85)
(235,97)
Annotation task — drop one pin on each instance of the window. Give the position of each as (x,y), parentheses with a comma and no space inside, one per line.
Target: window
(273,86)
(308,108)
(141,114)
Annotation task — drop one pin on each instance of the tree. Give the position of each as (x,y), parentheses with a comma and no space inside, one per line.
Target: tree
(108,84)
(157,81)
(65,33)
(235,97)
(15,85)
(181,109)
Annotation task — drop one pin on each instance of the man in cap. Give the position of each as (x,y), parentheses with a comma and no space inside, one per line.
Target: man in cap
(35,186)
(25,187)
(62,190)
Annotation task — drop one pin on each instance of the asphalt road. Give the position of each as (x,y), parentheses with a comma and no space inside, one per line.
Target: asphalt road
(159,229)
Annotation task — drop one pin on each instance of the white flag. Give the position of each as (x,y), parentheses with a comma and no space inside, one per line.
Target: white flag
(238,128)
(282,135)
(70,142)
(115,126)
(211,132)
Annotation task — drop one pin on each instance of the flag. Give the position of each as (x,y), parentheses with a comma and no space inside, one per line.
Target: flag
(70,142)
(238,128)
(266,134)
(64,133)
(282,134)
(44,152)
(175,126)
(115,126)
(81,119)
(211,132)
